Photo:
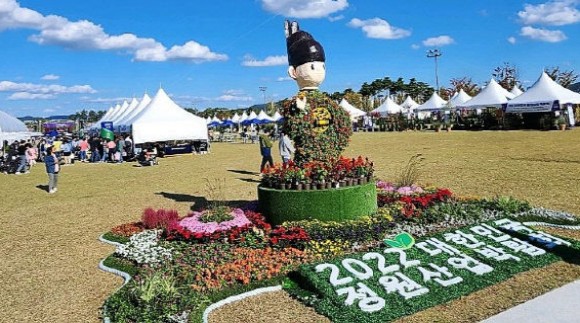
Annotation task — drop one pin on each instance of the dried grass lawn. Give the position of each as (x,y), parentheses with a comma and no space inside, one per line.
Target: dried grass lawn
(48,243)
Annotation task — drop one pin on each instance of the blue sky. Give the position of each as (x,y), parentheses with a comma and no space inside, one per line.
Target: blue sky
(61,56)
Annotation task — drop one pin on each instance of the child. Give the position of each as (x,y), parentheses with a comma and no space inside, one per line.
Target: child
(52,168)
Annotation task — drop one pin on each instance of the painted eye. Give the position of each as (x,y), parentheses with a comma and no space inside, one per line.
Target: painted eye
(312,67)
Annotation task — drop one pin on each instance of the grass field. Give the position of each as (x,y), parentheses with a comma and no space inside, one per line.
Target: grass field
(48,243)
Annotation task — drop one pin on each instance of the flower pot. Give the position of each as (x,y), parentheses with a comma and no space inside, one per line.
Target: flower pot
(448,129)
(342,183)
(369,179)
(297,186)
(349,182)
(306,186)
(328,185)
(321,186)
(562,126)
(282,186)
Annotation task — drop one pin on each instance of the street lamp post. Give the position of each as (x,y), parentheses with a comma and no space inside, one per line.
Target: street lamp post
(263,90)
(435,53)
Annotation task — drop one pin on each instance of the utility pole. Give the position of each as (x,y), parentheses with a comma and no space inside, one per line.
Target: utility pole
(435,53)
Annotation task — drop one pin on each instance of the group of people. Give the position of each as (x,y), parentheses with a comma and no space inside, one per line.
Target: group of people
(284,144)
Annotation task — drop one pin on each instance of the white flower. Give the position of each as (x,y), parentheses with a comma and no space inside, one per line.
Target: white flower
(143,248)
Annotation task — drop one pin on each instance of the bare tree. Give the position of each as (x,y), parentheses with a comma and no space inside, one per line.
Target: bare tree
(507,76)
(465,84)
(564,78)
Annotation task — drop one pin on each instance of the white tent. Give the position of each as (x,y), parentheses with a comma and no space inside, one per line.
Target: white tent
(244,117)
(435,102)
(12,129)
(118,120)
(492,96)
(516,91)
(354,112)
(276,117)
(164,120)
(126,123)
(119,111)
(544,96)
(460,98)
(97,124)
(388,107)
(409,104)
(207,120)
(263,117)
(236,118)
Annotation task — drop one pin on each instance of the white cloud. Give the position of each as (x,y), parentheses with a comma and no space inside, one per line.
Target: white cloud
(438,41)
(379,28)
(234,92)
(30,96)
(104,100)
(228,98)
(284,79)
(30,91)
(415,46)
(49,110)
(550,36)
(304,8)
(268,61)
(512,40)
(84,34)
(50,77)
(553,13)
(336,18)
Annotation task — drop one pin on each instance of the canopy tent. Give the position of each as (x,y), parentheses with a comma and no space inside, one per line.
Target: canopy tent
(12,129)
(263,118)
(163,120)
(409,104)
(207,120)
(459,98)
(127,121)
(252,118)
(117,122)
(277,117)
(214,122)
(516,91)
(388,107)
(97,124)
(236,118)
(244,117)
(434,103)
(354,112)
(544,96)
(228,122)
(119,112)
(492,96)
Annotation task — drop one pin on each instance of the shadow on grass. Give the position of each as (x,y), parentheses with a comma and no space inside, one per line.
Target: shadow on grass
(42,187)
(249,180)
(200,202)
(242,172)
(568,254)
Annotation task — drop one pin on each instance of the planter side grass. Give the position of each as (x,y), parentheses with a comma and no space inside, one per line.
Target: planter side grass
(313,289)
(336,204)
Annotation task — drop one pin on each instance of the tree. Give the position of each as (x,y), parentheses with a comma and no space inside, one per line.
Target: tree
(465,84)
(507,76)
(564,78)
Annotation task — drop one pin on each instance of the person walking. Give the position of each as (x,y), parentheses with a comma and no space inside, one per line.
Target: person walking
(22,169)
(52,169)
(266,151)
(286,148)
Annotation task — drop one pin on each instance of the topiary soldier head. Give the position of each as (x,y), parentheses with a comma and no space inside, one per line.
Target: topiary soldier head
(305,57)
(318,126)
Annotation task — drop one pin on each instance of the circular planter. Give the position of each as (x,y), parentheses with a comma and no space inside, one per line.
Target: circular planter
(335,204)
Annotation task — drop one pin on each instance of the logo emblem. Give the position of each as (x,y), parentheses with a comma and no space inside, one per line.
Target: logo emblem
(321,118)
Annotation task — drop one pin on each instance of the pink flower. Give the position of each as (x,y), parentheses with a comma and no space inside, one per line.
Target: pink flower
(194,225)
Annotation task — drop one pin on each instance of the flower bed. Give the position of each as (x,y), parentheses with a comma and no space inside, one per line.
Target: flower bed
(385,284)
(182,265)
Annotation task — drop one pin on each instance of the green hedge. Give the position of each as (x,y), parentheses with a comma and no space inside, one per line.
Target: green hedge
(337,204)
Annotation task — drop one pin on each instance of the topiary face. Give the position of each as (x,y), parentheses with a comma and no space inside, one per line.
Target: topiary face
(319,127)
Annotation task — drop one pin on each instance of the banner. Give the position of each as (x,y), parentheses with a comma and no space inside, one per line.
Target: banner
(546,106)
(107,130)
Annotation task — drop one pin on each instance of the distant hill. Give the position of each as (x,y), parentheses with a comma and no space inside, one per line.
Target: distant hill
(57,117)
(575,87)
